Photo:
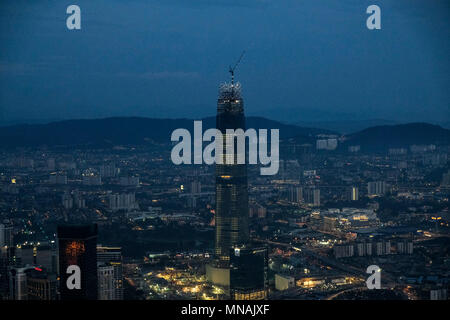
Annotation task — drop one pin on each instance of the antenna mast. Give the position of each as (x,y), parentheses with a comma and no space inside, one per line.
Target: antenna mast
(231,69)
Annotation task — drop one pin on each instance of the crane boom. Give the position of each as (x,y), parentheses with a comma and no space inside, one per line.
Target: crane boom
(231,70)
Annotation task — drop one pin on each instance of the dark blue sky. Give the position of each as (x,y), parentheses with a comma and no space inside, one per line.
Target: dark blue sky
(307,60)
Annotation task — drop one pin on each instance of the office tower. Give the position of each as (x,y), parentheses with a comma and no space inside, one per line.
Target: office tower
(364,249)
(405,247)
(326,144)
(191,201)
(105,274)
(312,197)
(257,211)
(316,197)
(124,201)
(67,201)
(354,194)
(284,282)
(6,234)
(18,289)
(51,164)
(288,170)
(112,257)
(344,251)
(8,259)
(78,246)
(438,294)
(45,258)
(382,248)
(248,273)
(231,217)
(329,224)
(282,172)
(360,249)
(22,162)
(32,283)
(446,179)
(108,170)
(387,247)
(371,188)
(376,188)
(321,144)
(41,285)
(78,201)
(196,187)
(4,285)
(295,194)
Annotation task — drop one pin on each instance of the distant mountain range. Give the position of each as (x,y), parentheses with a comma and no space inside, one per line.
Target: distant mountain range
(350,126)
(136,130)
(125,131)
(381,138)
(346,126)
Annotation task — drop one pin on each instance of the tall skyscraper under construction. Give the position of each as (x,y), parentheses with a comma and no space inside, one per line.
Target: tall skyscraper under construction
(244,276)
(231,179)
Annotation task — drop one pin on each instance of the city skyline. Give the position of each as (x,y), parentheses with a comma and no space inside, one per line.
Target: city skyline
(314,230)
(167,193)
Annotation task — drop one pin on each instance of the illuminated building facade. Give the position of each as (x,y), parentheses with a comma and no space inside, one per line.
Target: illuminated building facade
(18,283)
(105,274)
(231,217)
(78,246)
(7,256)
(6,234)
(249,273)
(112,257)
(354,194)
(41,286)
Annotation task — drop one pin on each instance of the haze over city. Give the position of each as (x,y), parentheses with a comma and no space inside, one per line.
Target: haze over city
(305,60)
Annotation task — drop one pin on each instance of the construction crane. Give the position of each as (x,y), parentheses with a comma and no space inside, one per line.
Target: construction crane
(231,70)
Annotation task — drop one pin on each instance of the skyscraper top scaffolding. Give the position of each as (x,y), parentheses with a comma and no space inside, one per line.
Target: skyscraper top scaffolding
(230,90)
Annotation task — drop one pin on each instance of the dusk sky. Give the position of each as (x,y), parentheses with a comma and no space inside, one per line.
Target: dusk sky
(306,60)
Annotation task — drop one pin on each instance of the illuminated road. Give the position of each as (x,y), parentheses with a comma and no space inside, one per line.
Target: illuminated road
(334,296)
(387,280)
